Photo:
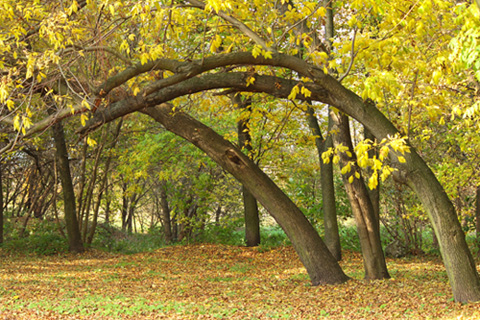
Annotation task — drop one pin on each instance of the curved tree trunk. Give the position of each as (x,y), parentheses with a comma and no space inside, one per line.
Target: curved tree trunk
(330,223)
(458,259)
(73,231)
(362,208)
(321,266)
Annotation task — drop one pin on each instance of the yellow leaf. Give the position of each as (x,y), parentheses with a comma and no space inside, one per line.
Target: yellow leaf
(346,168)
(136,90)
(10,104)
(112,9)
(267,54)
(91,142)
(16,122)
(83,118)
(306,93)
(401,159)
(293,93)
(257,50)
(322,11)
(350,180)
(373,181)
(436,76)
(250,80)
(85,104)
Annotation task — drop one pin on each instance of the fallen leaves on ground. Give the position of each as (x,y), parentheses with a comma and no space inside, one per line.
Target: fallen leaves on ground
(215,282)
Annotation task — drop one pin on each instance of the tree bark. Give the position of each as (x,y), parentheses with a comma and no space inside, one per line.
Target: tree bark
(477,218)
(330,223)
(1,204)
(73,231)
(321,266)
(375,193)
(166,219)
(362,208)
(250,206)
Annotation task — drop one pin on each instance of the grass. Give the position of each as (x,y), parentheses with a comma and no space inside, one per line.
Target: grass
(217,282)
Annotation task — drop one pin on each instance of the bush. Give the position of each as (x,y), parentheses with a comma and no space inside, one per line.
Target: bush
(109,238)
(349,238)
(273,237)
(221,234)
(41,244)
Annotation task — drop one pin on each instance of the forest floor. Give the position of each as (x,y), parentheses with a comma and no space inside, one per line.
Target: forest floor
(218,282)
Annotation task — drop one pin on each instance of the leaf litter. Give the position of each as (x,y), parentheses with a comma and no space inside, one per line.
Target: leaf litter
(218,282)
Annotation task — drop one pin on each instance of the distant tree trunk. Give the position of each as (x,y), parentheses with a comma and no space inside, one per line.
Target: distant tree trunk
(174,227)
(125,204)
(131,212)
(375,193)
(166,220)
(188,215)
(1,204)
(367,224)
(321,266)
(330,223)
(91,188)
(73,231)
(55,193)
(250,206)
(218,214)
(107,206)
(81,183)
(96,209)
(477,218)
(104,182)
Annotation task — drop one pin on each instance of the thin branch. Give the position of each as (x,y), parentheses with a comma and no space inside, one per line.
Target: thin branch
(236,23)
(352,56)
(97,48)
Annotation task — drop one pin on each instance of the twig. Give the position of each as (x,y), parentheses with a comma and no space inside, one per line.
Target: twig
(352,56)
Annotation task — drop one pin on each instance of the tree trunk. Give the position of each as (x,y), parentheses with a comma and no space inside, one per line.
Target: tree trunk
(362,208)
(250,207)
(457,258)
(330,223)
(375,193)
(1,204)
(81,183)
(252,221)
(321,266)
(477,218)
(166,220)
(73,231)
